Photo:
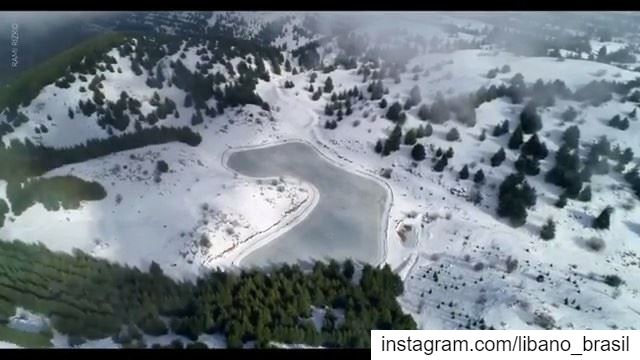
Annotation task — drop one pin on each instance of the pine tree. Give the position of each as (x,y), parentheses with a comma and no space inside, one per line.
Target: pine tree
(418,153)
(393,141)
(383,103)
(483,135)
(498,157)
(316,95)
(505,126)
(378,147)
(548,230)
(527,165)
(562,201)
(393,113)
(197,118)
(571,137)
(570,114)
(627,156)
(514,197)
(602,54)
(188,101)
(535,148)
(516,139)
(624,124)
(348,269)
(428,130)
(453,135)
(585,194)
(615,121)
(377,90)
(449,153)
(71,114)
(439,112)
(328,85)
(440,164)
(602,221)
(529,119)
(478,178)
(328,110)
(464,173)
(407,104)
(414,96)
(410,137)
(423,112)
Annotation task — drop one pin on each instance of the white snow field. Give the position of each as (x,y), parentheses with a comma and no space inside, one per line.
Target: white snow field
(451,253)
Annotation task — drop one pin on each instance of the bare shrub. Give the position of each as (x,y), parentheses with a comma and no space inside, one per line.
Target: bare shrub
(545,321)
(613,280)
(204,241)
(595,244)
(511,264)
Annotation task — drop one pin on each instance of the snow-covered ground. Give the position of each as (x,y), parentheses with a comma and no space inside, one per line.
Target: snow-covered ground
(6,345)
(203,215)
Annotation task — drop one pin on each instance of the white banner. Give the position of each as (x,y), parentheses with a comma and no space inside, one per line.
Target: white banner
(505,344)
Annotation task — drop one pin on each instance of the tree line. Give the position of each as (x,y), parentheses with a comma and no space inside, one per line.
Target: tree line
(21,160)
(88,298)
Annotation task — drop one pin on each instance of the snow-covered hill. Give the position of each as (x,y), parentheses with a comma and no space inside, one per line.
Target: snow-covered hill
(462,265)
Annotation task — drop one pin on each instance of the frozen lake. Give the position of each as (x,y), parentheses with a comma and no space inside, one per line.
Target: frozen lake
(347,221)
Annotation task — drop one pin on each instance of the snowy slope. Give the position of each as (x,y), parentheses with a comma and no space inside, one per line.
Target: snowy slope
(466,245)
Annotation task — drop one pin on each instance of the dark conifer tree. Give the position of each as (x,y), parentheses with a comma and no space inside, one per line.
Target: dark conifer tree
(440,164)
(603,220)
(328,85)
(449,153)
(548,230)
(418,153)
(570,114)
(478,177)
(585,194)
(423,112)
(535,148)
(410,137)
(414,97)
(428,130)
(529,119)
(393,141)
(516,138)
(378,147)
(527,165)
(571,137)
(514,197)
(464,173)
(453,135)
(498,157)
(393,113)
(562,201)
(188,101)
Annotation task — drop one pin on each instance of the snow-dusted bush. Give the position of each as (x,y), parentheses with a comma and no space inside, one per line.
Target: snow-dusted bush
(511,264)
(595,243)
